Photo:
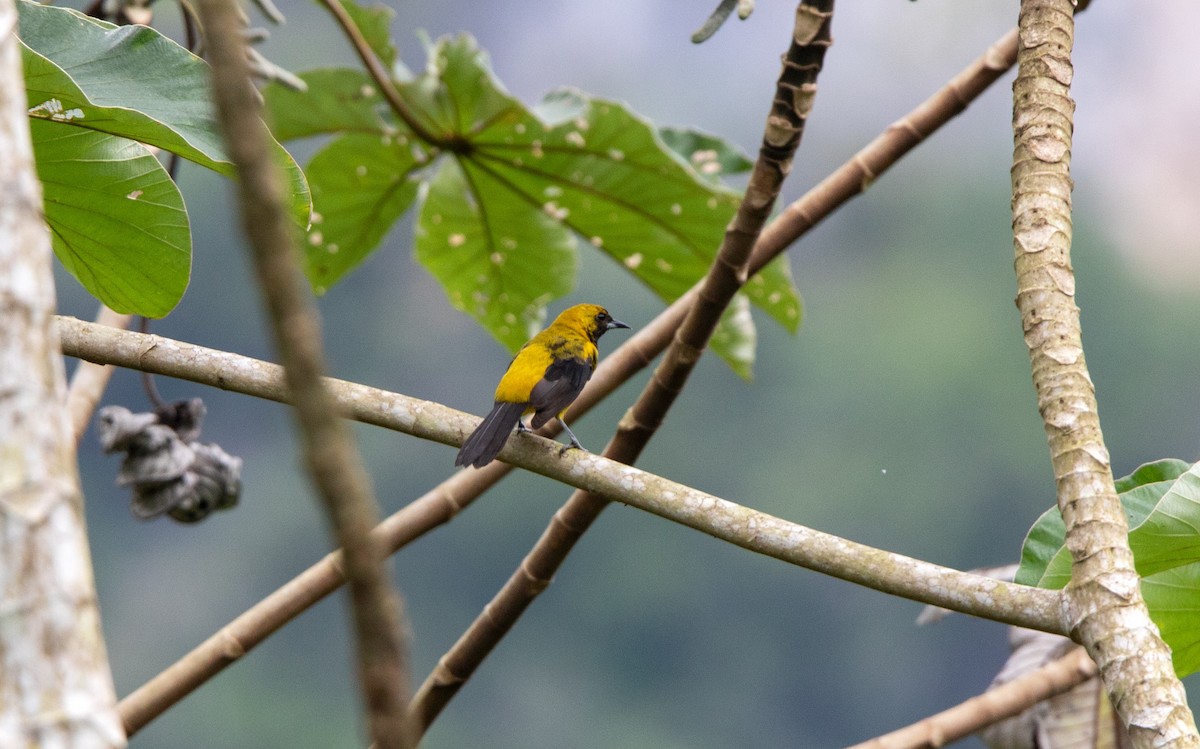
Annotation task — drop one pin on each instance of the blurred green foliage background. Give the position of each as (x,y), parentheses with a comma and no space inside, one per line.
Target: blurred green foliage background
(901,416)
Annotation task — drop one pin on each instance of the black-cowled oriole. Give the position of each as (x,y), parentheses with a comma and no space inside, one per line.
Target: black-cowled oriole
(544,378)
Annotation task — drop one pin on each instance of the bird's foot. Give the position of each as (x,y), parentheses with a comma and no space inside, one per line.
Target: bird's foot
(573,446)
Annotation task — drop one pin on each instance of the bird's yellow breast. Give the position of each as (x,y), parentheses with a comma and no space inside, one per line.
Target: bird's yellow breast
(556,343)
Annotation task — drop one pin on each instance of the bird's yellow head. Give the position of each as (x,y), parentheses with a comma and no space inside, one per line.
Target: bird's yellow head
(591,320)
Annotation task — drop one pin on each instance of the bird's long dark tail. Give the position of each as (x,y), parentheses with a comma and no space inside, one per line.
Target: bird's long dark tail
(489,437)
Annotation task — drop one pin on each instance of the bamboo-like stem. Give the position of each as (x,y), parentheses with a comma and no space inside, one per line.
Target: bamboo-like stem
(330,454)
(90,380)
(993,706)
(233,641)
(1104,604)
(460,490)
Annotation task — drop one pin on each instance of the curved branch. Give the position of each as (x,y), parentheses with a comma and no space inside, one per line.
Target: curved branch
(1104,601)
(993,706)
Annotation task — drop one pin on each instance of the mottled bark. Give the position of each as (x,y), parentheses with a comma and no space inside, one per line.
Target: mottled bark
(1105,609)
(55,685)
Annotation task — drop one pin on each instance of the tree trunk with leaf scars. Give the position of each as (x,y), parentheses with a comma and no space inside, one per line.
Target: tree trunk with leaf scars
(1103,602)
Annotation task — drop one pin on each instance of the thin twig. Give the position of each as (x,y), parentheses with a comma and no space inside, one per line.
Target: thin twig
(790,107)
(991,707)
(149,386)
(715,21)
(460,490)
(331,456)
(382,77)
(89,380)
(1104,601)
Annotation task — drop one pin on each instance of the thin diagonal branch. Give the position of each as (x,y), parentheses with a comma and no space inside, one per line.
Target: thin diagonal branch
(1104,601)
(991,707)
(457,492)
(789,111)
(330,454)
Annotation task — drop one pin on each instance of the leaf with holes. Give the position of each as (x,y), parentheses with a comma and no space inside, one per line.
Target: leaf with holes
(515,187)
(598,170)
(361,185)
(711,157)
(527,258)
(338,100)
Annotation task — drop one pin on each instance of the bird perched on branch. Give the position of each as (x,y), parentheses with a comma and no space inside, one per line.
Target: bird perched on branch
(544,378)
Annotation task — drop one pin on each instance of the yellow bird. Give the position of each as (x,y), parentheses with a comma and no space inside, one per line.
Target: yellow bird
(544,378)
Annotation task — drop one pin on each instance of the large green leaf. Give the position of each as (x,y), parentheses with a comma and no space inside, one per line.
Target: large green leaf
(1162,504)
(710,156)
(1173,597)
(129,81)
(374,23)
(362,184)
(736,337)
(527,258)
(338,100)
(713,158)
(125,80)
(117,221)
(501,229)
(606,176)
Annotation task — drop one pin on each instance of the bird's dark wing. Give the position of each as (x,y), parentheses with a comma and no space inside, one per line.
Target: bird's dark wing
(558,388)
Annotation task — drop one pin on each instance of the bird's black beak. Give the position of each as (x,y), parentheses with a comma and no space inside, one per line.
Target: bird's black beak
(616,324)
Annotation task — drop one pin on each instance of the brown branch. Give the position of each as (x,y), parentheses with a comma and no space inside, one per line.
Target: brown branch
(460,490)
(381,76)
(330,454)
(90,380)
(794,93)
(56,687)
(991,707)
(1104,602)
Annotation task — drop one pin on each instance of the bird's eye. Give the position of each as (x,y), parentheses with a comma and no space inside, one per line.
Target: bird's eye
(602,317)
